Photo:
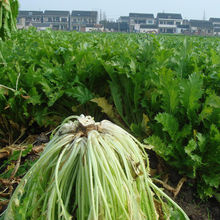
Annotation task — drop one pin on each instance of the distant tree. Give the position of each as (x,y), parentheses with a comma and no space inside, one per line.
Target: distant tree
(8,15)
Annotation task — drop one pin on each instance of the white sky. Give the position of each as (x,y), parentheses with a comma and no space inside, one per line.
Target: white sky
(190,9)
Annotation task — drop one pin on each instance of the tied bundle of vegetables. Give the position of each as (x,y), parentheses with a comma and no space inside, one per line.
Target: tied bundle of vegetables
(8,15)
(91,171)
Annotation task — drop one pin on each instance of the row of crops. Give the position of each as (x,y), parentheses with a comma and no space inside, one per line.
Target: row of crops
(164,89)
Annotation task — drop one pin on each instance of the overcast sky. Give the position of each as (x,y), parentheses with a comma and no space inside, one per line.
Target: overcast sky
(190,9)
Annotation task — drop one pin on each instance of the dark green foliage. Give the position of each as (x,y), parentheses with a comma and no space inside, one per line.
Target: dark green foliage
(165,89)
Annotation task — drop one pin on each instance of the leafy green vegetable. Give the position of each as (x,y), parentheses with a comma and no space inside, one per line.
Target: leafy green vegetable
(173,80)
(8,15)
(91,171)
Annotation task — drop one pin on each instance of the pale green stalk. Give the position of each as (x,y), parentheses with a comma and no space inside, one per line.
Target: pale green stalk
(90,175)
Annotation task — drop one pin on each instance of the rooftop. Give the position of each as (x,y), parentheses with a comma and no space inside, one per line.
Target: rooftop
(141,15)
(214,19)
(200,23)
(58,13)
(169,16)
(85,13)
(29,13)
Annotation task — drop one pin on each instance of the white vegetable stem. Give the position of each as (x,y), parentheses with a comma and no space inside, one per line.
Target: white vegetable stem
(91,171)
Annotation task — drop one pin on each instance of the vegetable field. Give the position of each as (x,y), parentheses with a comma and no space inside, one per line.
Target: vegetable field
(165,90)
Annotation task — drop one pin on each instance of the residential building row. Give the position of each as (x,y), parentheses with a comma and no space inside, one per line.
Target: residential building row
(57,20)
(87,21)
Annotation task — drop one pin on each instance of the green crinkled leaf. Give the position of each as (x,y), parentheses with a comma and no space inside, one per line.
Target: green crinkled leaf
(54,96)
(191,146)
(213,100)
(191,92)
(116,94)
(206,113)
(211,109)
(201,142)
(169,123)
(215,134)
(196,160)
(159,146)
(82,94)
(169,91)
(185,131)
(213,181)
(35,98)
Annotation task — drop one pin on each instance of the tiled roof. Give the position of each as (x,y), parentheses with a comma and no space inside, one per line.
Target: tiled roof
(29,13)
(85,13)
(141,15)
(58,13)
(201,23)
(169,16)
(214,19)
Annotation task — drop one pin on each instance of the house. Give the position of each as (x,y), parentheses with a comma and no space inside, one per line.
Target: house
(110,26)
(94,28)
(167,22)
(26,18)
(201,27)
(81,19)
(216,25)
(124,19)
(216,31)
(215,21)
(185,22)
(137,19)
(183,29)
(123,26)
(42,26)
(152,29)
(59,20)
(123,23)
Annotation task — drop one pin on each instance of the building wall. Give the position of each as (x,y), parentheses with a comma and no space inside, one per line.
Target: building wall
(168,25)
(148,30)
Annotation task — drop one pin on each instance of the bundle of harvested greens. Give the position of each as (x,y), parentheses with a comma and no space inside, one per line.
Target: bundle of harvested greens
(8,15)
(91,171)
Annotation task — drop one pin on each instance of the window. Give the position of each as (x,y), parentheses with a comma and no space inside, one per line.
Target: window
(161,22)
(57,19)
(56,27)
(28,18)
(49,19)
(170,22)
(63,19)
(150,22)
(177,23)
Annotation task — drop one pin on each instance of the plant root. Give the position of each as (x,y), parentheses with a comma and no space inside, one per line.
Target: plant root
(173,190)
